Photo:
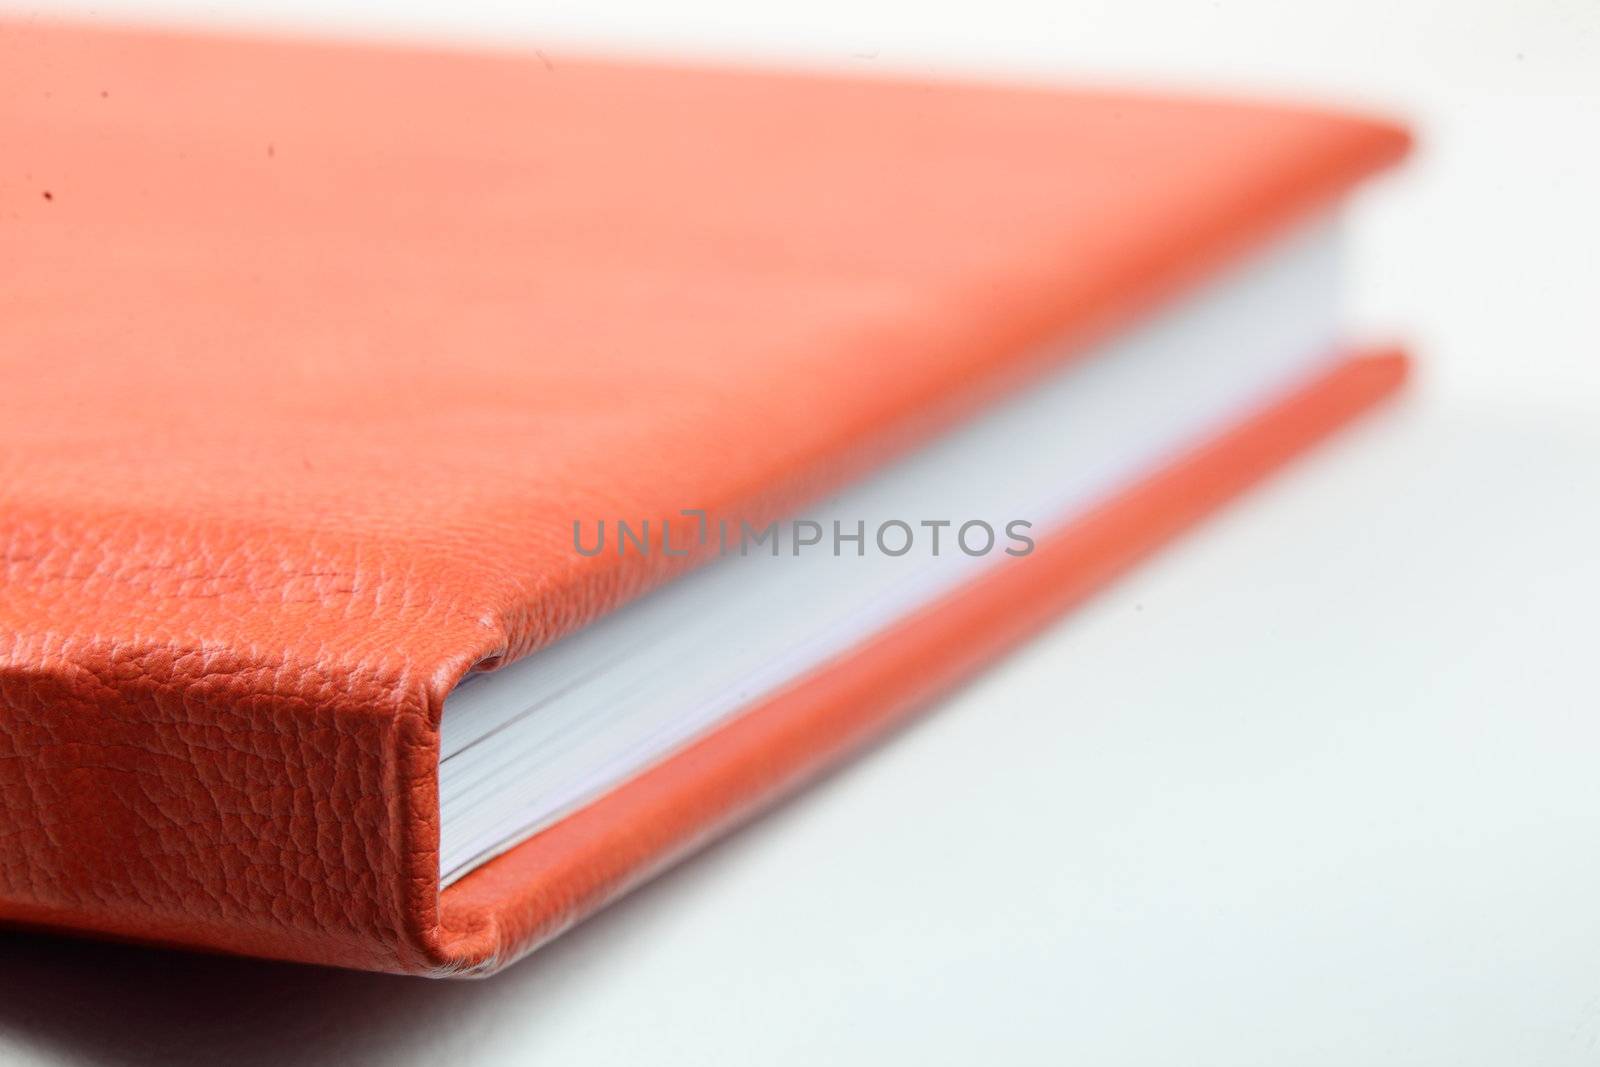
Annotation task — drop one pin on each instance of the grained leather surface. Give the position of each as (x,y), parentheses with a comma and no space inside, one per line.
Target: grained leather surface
(310,355)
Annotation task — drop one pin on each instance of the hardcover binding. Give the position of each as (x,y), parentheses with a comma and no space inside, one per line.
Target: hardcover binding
(236,586)
(379,911)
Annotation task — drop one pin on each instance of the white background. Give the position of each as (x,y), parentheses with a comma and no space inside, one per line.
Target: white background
(1320,785)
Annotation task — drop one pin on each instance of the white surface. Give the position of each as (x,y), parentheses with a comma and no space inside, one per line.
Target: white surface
(526,745)
(1318,786)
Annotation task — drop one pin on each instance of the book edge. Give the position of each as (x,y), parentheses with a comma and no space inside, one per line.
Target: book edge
(542,887)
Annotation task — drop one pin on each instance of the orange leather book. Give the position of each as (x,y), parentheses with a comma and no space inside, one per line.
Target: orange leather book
(372,421)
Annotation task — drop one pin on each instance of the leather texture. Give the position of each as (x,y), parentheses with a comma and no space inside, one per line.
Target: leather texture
(312,353)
